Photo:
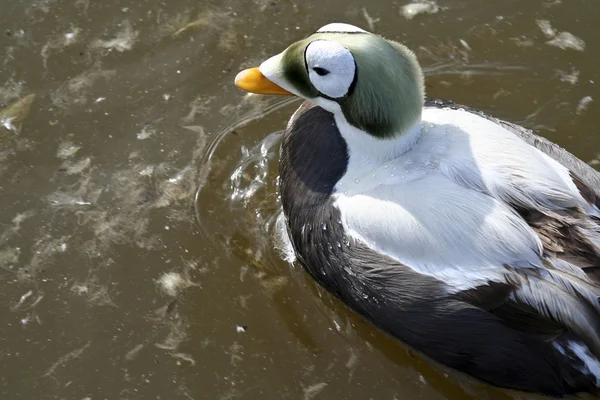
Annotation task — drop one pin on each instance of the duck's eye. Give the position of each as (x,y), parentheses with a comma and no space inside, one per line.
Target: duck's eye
(320,71)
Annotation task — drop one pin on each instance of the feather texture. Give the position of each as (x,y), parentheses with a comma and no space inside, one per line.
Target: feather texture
(489,273)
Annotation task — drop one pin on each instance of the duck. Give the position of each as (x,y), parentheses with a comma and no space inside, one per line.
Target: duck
(468,238)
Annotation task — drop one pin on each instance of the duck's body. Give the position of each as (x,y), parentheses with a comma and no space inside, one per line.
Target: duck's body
(470,239)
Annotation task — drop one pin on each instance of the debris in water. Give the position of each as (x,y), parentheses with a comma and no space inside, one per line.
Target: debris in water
(184,357)
(275,283)
(9,232)
(72,92)
(200,105)
(97,295)
(122,42)
(465,44)
(10,91)
(370,21)
(74,168)
(165,310)
(132,354)
(23,298)
(173,282)
(566,40)
(60,199)
(448,56)
(145,133)
(175,337)
(314,390)
(148,171)
(80,289)
(70,36)
(8,257)
(183,23)
(100,297)
(66,358)
(236,351)
(546,28)
(562,40)
(59,42)
(572,78)
(352,360)
(522,41)
(422,7)
(14,114)
(241,329)
(67,150)
(229,41)
(43,252)
(583,104)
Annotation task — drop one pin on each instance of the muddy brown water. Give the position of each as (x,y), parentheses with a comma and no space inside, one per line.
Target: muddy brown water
(119,279)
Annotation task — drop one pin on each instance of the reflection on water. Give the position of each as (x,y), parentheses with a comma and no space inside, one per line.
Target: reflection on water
(141,253)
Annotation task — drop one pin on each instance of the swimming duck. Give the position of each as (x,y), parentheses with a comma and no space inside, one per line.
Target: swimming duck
(468,238)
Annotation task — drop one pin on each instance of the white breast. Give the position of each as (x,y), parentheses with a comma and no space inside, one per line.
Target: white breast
(443,208)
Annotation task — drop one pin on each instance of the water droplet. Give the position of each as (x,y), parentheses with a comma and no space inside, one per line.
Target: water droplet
(323,226)
(392,174)
(346,192)
(356,181)
(394,168)
(402,176)
(385,166)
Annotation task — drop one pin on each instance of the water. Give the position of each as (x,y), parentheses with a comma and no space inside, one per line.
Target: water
(120,280)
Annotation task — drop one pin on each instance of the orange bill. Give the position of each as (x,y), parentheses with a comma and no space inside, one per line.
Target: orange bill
(252,80)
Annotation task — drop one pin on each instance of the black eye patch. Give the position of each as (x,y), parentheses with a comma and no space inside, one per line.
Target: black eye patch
(320,71)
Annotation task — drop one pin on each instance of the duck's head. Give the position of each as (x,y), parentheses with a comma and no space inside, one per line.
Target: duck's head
(376,84)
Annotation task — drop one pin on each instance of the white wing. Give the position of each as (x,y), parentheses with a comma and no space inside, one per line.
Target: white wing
(446,207)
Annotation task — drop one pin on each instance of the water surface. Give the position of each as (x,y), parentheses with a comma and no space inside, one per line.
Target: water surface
(120,280)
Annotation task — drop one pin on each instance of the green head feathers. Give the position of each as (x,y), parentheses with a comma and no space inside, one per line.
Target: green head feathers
(376,83)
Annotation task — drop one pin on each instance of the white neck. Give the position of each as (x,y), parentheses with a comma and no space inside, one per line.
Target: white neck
(365,148)
(366,152)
